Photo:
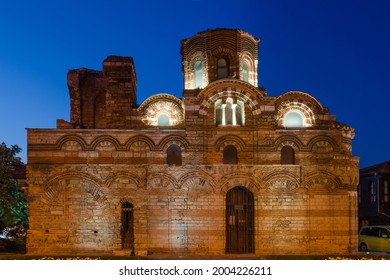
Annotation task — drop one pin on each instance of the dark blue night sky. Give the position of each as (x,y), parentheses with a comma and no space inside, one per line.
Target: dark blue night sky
(336,50)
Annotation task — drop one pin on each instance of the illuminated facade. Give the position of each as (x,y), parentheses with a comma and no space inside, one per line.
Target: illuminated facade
(224,169)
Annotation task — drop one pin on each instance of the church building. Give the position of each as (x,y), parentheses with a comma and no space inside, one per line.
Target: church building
(224,169)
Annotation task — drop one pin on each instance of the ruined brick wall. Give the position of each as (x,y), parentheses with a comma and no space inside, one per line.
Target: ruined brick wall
(121,91)
(103,99)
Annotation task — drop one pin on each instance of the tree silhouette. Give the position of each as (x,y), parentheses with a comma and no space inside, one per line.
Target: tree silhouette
(13,203)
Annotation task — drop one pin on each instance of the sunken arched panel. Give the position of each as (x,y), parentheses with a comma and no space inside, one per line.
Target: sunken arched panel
(105,142)
(323,144)
(321,182)
(62,142)
(281,181)
(69,201)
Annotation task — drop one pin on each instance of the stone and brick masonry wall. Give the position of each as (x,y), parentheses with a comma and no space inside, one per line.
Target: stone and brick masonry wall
(76,192)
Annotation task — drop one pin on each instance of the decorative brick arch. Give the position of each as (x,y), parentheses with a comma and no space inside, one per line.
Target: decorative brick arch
(95,191)
(201,182)
(235,89)
(173,139)
(288,140)
(246,180)
(324,179)
(300,102)
(161,181)
(301,97)
(323,138)
(294,106)
(124,199)
(133,177)
(140,138)
(281,182)
(51,191)
(105,138)
(162,103)
(54,186)
(224,53)
(233,140)
(71,138)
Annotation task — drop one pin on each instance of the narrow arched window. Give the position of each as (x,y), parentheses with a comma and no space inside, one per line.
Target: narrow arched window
(245,71)
(229,113)
(230,155)
(198,74)
(218,112)
(287,155)
(223,68)
(163,120)
(293,119)
(239,113)
(174,155)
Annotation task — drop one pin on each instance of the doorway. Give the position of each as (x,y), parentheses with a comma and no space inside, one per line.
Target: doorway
(127,228)
(239,221)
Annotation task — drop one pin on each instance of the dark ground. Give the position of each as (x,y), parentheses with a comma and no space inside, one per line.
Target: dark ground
(359,256)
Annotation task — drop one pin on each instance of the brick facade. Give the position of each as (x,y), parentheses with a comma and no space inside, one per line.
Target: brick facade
(114,153)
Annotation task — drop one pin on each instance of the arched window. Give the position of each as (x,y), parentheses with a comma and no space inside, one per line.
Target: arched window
(230,155)
(174,155)
(245,71)
(163,120)
(127,228)
(240,116)
(229,113)
(218,112)
(293,119)
(287,155)
(198,74)
(385,191)
(372,193)
(223,68)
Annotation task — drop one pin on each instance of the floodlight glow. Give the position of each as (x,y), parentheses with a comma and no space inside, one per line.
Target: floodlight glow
(293,119)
